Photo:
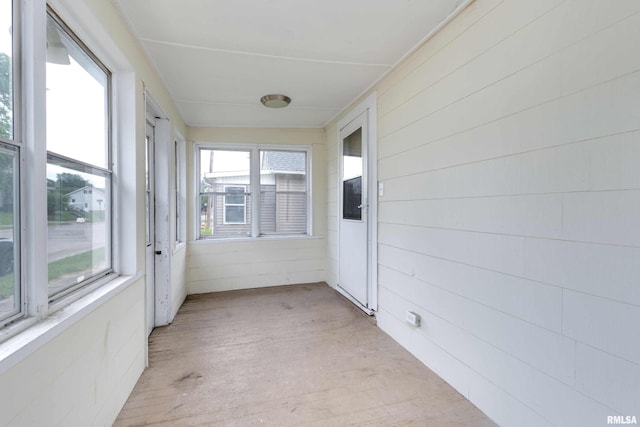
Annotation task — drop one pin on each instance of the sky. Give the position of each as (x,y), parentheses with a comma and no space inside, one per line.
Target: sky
(5,26)
(75,108)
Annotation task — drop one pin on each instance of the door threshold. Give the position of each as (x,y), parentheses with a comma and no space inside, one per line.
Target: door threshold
(357,303)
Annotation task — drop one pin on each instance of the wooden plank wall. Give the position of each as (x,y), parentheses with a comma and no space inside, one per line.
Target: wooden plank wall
(509,147)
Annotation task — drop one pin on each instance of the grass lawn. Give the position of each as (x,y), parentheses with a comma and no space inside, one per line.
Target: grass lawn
(6,286)
(75,264)
(6,220)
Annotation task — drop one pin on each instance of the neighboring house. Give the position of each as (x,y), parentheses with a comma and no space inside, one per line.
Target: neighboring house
(283,197)
(87,199)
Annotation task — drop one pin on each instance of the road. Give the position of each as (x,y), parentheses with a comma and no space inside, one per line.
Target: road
(70,238)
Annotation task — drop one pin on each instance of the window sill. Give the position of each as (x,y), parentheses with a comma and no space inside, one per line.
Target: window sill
(255,239)
(179,246)
(28,335)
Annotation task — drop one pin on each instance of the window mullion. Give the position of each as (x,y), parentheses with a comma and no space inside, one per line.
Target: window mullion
(255,192)
(308,182)
(34,127)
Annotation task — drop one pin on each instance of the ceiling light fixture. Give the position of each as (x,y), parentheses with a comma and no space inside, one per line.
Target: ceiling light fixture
(275,101)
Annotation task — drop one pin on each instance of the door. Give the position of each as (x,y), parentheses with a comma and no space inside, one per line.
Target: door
(353,211)
(150,224)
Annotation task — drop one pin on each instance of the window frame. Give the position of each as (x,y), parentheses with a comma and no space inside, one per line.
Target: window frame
(80,165)
(253,187)
(225,204)
(29,139)
(179,189)
(18,283)
(288,192)
(17,144)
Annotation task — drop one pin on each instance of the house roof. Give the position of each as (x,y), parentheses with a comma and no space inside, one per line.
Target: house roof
(101,190)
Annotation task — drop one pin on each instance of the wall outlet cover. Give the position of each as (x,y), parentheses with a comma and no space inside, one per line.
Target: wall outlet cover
(412,318)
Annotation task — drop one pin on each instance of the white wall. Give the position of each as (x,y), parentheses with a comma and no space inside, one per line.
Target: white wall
(80,371)
(509,147)
(219,265)
(178,287)
(83,376)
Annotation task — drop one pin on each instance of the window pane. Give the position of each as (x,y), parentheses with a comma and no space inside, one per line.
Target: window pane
(232,199)
(221,167)
(177,195)
(222,173)
(78,206)
(234,215)
(6,71)
(219,220)
(352,176)
(283,192)
(234,206)
(9,248)
(77,100)
(148,190)
(78,168)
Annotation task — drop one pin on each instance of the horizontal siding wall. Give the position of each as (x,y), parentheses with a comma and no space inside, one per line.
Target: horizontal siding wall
(509,149)
(220,265)
(83,376)
(214,266)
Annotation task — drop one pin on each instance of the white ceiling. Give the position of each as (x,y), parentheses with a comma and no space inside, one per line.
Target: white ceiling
(218,57)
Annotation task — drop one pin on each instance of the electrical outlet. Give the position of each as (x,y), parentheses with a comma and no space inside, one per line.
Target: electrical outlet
(381,189)
(412,318)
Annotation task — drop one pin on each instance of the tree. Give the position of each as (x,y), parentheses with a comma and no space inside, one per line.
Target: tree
(6,97)
(57,193)
(68,182)
(6,132)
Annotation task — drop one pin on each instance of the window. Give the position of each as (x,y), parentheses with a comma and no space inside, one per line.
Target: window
(283,192)
(78,162)
(223,172)
(10,291)
(180,184)
(231,177)
(55,148)
(11,294)
(235,204)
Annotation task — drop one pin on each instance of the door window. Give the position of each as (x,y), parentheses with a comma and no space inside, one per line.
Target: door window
(352,176)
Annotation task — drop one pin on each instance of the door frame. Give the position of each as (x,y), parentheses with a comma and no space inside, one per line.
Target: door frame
(368,105)
(149,257)
(162,202)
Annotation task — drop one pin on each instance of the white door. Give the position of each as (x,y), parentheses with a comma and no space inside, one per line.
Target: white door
(353,211)
(150,224)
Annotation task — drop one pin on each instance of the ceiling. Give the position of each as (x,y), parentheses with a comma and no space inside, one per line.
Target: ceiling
(218,57)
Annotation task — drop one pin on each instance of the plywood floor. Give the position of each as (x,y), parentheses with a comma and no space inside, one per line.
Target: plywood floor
(286,356)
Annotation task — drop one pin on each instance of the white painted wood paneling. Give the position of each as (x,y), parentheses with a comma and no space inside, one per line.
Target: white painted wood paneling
(616,382)
(602,324)
(84,375)
(530,300)
(221,266)
(547,351)
(509,151)
(178,279)
(607,271)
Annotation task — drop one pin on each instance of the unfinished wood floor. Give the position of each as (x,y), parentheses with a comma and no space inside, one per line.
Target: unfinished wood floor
(287,356)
